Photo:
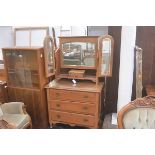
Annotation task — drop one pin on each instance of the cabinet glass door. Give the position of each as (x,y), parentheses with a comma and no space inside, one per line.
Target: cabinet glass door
(31,69)
(22,69)
(106,55)
(49,56)
(16,76)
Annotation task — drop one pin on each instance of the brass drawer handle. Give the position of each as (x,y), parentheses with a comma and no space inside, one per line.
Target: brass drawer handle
(58,105)
(57,94)
(85,120)
(85,108)
(85,96)
(58,116)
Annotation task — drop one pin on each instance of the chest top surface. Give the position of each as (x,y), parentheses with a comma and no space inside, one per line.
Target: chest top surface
(79,86)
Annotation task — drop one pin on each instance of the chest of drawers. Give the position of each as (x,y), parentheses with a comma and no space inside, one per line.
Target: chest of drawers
(71,104)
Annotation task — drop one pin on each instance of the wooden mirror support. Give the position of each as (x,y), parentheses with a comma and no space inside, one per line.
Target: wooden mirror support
(85,57)
(54,38)
(49,56)
(139,86)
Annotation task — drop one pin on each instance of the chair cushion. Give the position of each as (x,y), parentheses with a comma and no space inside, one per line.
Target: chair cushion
(19,120)
(12,108)
(139,118)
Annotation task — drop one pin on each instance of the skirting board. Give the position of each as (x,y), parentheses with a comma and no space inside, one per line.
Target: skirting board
(114,119)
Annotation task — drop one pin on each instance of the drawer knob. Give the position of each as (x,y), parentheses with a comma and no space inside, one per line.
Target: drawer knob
(85,96)
(85,120)
(85,108)
(57,94)
(58,116)
(58,105)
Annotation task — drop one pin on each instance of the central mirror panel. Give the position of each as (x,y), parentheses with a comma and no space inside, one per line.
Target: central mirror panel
(78,54)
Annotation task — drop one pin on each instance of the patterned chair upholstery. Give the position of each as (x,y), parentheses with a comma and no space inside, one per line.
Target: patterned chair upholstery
(138,114)
(15,114)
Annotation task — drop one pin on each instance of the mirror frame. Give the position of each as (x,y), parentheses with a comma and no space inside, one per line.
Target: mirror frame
(101,39)
(81,39)
(48,40)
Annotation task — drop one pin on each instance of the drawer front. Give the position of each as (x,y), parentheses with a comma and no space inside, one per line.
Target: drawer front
(77,107)
(55,94)
(72,118)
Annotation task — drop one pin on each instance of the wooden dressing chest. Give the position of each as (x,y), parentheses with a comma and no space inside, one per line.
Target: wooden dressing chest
(75,104)
(84,59)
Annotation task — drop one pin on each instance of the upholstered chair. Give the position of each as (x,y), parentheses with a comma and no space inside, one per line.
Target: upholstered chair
(138,114)
(14,113)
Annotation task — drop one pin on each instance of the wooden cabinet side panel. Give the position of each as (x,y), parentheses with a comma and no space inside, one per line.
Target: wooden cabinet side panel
(3,93)
(35,106)
(41,64)
(11,94)
(29,102)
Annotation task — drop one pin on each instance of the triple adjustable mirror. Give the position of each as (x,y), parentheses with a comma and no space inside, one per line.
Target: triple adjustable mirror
(88,57)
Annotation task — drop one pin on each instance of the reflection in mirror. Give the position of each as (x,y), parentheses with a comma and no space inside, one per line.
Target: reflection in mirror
(78,54)
(49,56)
(106,53)
(106,44)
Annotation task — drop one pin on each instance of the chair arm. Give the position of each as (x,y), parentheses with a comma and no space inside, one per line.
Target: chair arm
(13,108)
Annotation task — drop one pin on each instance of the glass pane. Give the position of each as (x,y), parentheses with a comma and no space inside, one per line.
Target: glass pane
(78,54)
(23,69)
(50,54)
(32,79)
(37,37)
(11,78)
(31,69)
(30,60)
(15,68)
(10,58)
(106,57)
(22,38)
(1,55)
(20,77)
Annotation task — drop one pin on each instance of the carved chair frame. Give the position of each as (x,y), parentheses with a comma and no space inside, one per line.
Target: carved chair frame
(145,102)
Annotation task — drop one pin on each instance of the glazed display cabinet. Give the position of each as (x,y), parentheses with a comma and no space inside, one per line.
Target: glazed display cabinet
(26,80)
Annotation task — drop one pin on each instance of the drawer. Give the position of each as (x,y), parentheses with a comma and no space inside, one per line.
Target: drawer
(85,108)
(72,118)
(56,94)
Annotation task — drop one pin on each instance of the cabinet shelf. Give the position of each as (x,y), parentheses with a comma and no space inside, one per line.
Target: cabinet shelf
(27,88)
